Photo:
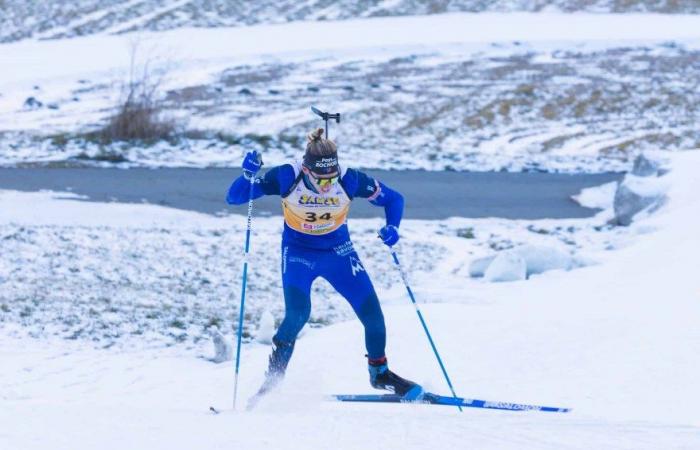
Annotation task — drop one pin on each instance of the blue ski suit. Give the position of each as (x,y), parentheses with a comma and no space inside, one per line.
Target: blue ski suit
(329,255)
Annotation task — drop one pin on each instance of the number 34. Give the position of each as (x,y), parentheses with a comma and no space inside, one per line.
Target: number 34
(311,216)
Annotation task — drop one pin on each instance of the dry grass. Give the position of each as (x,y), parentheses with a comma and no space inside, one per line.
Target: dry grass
(140,112)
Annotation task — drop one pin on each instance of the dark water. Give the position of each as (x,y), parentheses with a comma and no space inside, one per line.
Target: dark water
(429,195)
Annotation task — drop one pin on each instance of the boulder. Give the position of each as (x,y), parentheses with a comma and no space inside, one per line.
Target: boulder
(32,103)
(540,258)
(266,328)
(222,348)
(536,258)
(645,167)
(479,265)
(506,266)
(637,194)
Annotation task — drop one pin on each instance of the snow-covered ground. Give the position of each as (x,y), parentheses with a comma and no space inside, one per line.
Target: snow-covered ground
(548,91)
(52,19)
(617,341)
(112,273)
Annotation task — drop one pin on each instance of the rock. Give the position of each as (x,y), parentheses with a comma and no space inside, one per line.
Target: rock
(506,266)
(644,167)
(540,258)
(222,348)
(536,258)
(266,328)
(636,194)
(479,265)
(32,103)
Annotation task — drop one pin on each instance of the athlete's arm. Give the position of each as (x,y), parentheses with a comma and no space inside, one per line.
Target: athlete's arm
(275,181)
(359,184)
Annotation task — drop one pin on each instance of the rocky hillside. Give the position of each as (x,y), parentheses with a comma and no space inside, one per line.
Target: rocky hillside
(50,19)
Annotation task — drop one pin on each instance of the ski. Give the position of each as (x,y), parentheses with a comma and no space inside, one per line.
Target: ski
(434,399)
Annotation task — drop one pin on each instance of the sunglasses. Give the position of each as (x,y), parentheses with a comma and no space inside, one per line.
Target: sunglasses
(323,181)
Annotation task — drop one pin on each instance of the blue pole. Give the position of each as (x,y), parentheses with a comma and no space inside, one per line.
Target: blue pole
(422,321)
(243,286)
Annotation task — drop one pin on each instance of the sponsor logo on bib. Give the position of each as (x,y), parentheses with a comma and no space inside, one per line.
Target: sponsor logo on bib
(306,199)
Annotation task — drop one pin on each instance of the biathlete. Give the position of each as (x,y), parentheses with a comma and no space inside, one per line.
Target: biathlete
(316,195)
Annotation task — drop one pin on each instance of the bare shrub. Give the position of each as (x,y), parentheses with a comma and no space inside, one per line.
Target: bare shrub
(139,114)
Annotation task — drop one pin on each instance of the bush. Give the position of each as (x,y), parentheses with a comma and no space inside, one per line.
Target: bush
(139,113)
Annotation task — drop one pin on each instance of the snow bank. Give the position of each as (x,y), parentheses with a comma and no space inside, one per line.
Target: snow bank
(597,197)
(521,262)
(506,266)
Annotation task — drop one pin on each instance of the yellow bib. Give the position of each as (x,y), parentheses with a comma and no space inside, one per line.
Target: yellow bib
(315,213)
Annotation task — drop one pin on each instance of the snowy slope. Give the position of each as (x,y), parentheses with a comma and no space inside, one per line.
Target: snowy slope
(484,92)
(51,19)
(618,342)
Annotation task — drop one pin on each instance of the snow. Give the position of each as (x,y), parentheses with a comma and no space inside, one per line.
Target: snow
(425,56)
(506,266)
(617,342)
(597,197)
(38,60)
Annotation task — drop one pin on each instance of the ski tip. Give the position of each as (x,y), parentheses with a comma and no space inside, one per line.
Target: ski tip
(214,410)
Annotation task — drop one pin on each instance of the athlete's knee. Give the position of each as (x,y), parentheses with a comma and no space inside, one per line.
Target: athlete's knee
(370,314)
(297,310)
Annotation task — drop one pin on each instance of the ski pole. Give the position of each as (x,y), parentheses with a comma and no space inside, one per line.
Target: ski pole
(243,286)
(422,321)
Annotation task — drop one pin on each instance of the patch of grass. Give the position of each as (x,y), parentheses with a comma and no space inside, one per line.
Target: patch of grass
(177,323)
(533,229)
(214,322)
(103,156)
(466,233)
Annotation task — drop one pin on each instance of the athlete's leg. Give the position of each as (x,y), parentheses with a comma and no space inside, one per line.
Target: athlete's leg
(299,269)
(345,272)
(298,272)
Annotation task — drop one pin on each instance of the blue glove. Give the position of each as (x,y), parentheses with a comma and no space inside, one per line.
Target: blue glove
(251,164)
(389,234)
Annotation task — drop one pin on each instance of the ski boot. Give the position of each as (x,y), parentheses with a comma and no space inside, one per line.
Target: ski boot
(380,377)
(277,366)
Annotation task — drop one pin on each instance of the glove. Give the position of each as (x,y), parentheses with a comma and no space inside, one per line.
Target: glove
(251,164)
(389,235)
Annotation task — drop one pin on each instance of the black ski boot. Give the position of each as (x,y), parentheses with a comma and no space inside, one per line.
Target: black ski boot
(277,366)
(380,377)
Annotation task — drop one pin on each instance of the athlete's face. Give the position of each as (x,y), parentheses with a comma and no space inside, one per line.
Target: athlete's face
(324,182)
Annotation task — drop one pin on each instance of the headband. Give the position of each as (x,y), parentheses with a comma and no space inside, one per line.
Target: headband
(321,165)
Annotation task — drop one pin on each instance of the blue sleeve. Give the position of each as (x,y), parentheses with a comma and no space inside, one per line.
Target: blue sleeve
(359,184)
(276,181)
